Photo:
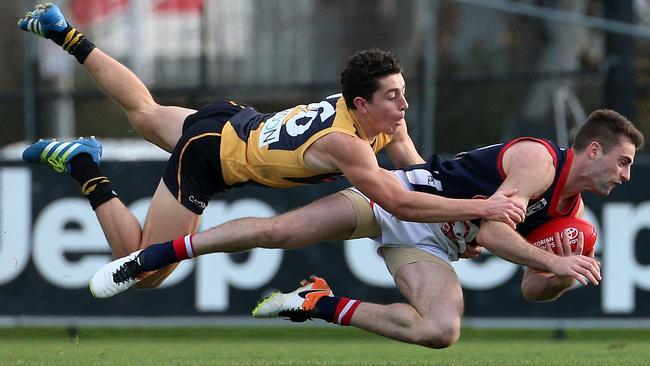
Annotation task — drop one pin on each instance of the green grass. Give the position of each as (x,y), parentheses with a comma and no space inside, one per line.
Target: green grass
(315,346)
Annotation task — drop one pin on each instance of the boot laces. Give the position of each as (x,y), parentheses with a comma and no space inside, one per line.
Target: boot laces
(128,271)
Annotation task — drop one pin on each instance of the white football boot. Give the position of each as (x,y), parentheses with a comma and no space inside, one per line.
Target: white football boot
(117,276)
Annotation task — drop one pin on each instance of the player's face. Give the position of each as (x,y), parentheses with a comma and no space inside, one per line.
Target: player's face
(614,167)
(388,105)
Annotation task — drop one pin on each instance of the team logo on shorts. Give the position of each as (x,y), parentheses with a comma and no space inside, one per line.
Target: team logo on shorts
(200,204)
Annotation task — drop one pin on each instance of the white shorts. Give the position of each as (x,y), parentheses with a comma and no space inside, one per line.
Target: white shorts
(443,240)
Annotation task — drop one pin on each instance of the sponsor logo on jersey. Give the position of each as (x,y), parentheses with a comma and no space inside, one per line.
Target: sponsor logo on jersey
(271,130)
(537,206)
(423,177)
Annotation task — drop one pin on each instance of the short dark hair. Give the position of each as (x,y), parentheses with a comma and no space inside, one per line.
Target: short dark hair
(360,78)
(606,127)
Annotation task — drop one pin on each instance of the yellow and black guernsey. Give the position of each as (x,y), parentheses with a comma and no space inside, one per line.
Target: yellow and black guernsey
(269,149)
(225,145)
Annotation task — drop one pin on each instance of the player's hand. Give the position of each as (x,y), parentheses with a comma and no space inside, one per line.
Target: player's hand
(501,207)
(583,268)
(564,249)
(472,251)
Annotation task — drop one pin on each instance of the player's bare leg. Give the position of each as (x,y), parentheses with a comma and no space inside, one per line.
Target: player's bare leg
(432,317)
(334,214)
(329,218)
(166,218)
(165,215)
(161,125)
(121,228)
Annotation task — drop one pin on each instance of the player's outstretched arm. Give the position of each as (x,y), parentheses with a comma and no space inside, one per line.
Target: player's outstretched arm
(357,161)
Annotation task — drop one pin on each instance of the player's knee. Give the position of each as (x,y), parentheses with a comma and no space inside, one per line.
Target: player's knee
(142,119)
(142,123)
(276,234)
(441,334)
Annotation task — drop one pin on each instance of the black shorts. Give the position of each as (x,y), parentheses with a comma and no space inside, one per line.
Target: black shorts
(193,174)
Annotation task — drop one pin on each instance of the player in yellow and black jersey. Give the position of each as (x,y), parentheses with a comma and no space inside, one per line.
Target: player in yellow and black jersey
(265,149)
(224,145)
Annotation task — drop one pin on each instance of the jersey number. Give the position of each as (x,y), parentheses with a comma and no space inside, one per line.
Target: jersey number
(297,124)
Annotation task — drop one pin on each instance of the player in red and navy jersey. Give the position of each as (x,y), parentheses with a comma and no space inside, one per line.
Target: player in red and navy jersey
(549,182)
(480,172)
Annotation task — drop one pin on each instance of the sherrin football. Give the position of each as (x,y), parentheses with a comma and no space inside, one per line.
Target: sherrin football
(542,236)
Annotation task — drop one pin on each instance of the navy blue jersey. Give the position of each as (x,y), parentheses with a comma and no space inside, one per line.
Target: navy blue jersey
(479,173)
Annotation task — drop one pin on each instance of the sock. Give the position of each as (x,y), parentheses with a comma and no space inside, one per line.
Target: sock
(338,310)
(94,186)
(72,41)
(157,256)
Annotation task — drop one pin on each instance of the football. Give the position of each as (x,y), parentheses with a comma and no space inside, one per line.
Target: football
(542,236)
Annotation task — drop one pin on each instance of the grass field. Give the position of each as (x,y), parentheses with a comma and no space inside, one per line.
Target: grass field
(315,346)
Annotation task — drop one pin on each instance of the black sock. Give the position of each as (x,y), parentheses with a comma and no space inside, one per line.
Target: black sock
(94,186)
(72,41)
